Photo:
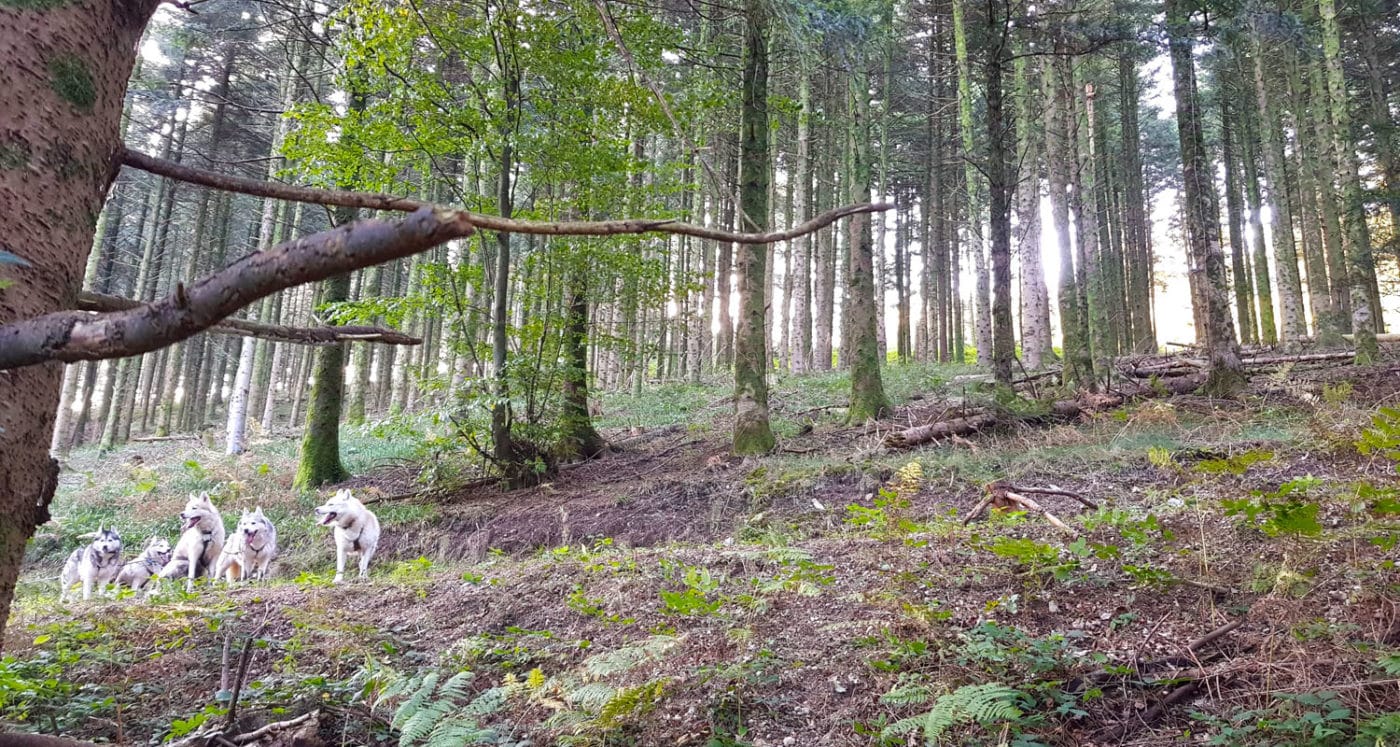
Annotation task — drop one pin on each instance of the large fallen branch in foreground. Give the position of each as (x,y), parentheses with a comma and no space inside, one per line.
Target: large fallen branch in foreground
(79,335)
(88,301)
(374,201)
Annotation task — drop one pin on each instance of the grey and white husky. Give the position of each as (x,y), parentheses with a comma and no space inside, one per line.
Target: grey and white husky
(94,565)
(356,530)
(201,541)
(250,550)
(154,556)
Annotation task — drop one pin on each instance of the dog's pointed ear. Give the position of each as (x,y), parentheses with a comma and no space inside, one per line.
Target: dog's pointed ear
(100,529)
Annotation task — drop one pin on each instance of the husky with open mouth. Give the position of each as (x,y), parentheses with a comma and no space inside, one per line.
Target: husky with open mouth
(356,530)
(249,552)
(201,541)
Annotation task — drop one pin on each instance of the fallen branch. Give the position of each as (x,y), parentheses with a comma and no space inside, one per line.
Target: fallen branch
(1213,635)
(154,439)
(274,727)
(373,201)
(1034,507)
(1207,586)
(88,301)
(77,335)
(1085,403)
(932,432)
(1055,491)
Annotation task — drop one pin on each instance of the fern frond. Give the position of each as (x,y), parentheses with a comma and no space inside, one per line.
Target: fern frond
(984,704)
(456,731)
(907,695)
(902,727)
(455,689)
(592,697)
(487,703)
(616,662)
(422,723)
(628,701)
(410,707)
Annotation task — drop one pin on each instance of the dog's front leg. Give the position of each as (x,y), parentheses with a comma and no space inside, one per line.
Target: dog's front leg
(87,586)
(339,562)
(193,569)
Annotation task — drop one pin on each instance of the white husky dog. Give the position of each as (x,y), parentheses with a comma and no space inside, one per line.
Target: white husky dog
(94,565)
(154,556)
(250,550)
(356,530)
(201,541)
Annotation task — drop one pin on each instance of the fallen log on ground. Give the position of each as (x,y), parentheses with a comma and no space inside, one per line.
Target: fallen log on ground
(979,419)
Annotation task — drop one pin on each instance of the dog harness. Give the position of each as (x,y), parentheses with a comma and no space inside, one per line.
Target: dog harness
(201,565)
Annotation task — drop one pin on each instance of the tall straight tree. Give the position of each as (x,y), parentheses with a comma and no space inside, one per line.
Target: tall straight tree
(1036,343)
(867,387)
(752,434)
(1001,187)
(982,322)
(1225,374)
(1355,232)
(1074,318)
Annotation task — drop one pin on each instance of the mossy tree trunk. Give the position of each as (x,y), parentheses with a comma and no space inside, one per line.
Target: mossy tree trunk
(319,463)
(752,434)
(581,439)
(867,388)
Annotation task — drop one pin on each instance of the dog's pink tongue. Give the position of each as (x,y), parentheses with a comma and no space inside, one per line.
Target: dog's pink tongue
(192,523)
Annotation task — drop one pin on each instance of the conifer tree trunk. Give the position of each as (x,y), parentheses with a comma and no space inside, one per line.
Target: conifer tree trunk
(861,344)
(752,434)
(1357,236)
(1139,232)
(1036,346)
(802,209)
(1234,220)
(982,322)
(1290,289)
(1001,186)
(1225,374)
(580,437)
(824,284)
(1263,287)
(1078,364)
(63,75)
(1084,198)
(1327,194)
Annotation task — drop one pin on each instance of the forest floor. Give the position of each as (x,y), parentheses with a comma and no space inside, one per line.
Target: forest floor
(1236,585)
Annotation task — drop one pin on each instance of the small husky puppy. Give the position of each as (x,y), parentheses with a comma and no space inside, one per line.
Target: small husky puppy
(356,530)
(154,556)
(250,550)
(201,541)
(94,565)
